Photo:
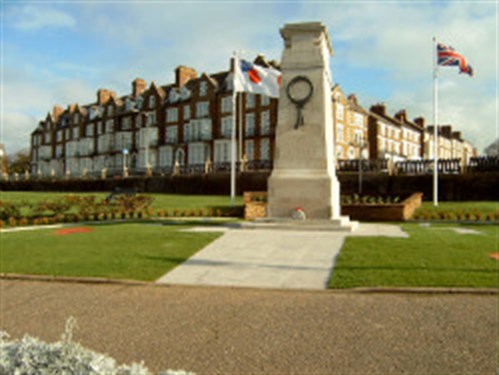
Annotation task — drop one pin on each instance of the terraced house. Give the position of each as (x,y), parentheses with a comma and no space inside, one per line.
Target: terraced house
(186,126)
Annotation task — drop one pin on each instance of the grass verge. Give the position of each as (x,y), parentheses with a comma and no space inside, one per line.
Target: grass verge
(433,256)
(120,251)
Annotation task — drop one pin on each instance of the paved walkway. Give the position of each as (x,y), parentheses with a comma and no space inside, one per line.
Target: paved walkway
(255,331)
(263,258)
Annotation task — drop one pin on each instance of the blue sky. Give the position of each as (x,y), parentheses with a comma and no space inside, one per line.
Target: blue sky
(62,52)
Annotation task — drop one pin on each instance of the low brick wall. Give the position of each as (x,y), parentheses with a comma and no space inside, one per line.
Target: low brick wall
(384,212)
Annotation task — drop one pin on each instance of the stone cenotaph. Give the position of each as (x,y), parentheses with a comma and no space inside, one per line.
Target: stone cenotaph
(304,178)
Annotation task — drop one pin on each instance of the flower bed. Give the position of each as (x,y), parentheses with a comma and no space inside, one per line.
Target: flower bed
(383,209)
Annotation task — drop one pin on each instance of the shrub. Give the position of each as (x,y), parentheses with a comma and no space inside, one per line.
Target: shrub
(469,216)
(12,222)
(33,356)
(23,222)
(2,224)
(8,210)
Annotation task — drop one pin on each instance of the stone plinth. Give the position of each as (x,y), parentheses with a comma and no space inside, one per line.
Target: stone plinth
(304,172)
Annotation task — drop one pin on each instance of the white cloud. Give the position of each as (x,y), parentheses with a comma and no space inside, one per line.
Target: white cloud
(126,40)
(30,17)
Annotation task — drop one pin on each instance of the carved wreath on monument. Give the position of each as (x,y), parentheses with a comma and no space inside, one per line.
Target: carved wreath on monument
(299,91)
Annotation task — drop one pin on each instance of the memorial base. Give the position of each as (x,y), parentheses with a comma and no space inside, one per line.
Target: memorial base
(343,224)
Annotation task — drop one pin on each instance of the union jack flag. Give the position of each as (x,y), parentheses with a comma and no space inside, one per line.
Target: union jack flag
(448,57)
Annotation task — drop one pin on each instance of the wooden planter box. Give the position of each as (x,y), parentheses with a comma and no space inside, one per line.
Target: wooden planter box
(384,212)
(255,206)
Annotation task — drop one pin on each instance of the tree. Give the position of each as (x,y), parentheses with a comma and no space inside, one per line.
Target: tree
(20,162)
(492,149)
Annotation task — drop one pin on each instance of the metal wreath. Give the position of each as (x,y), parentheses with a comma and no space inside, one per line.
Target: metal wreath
(299,102)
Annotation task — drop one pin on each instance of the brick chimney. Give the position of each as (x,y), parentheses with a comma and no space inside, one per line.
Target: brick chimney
(353,98)
(184,74)
(56,112)
(401,115)
(379,109)
(420,121)
(103,96)
(138,87)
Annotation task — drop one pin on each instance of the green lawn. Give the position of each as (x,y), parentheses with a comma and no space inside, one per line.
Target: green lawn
(484,207)
(161,201)
(122,251)
(433,257)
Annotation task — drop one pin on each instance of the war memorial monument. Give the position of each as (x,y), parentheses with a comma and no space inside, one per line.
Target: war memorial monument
(304,178)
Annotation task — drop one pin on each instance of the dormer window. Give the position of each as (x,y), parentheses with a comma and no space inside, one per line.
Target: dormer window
(173,96)
(110,110)
(75,118)
(94,112)
(128,104)
(140,102)
(203,88)
(152,101)
(185,93)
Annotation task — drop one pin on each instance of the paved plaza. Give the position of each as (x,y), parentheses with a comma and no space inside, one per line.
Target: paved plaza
(264,258)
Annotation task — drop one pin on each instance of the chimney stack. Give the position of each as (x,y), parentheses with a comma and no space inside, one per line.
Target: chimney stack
(138,87)
(401,115)
(446,131)
(56,112)
(103,96)
(379,109)
(184,74)
(420,121)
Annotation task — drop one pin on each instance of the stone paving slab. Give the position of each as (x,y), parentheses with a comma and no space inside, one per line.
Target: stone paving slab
(269,258)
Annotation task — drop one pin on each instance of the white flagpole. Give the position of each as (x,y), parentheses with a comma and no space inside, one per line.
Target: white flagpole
(233,138)
(435,123)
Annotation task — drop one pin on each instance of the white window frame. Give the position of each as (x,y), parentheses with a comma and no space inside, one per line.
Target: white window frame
(172,115)
(203,88)
(226,104)
(202,109)
(249,125)
(265,122)
(250,100)
(187,112)
(172,134)
(264,149)
(249,149)
(226,126)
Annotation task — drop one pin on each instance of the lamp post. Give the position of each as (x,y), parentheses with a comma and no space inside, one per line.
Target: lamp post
(361,145)
(125,153)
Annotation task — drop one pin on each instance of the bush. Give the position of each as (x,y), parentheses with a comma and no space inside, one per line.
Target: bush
(31,356)
(12,222)
(8,210)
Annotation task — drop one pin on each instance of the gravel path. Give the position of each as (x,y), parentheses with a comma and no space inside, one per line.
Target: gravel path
(252,331)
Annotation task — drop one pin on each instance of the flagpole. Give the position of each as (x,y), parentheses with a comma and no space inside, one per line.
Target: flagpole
(435,124)
(233,139)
